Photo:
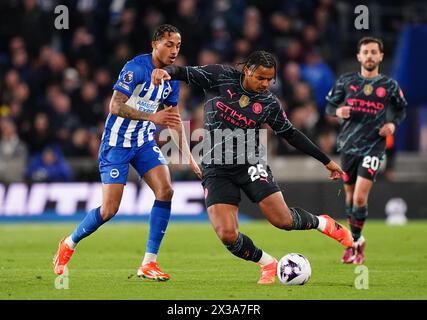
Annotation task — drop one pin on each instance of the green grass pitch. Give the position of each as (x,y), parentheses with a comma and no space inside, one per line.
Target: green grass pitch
(104,265)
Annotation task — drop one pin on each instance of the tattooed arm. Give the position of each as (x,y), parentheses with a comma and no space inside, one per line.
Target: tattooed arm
(119,108)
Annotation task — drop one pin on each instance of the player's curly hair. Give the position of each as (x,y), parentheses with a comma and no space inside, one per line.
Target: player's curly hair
(162,29)
(260,58)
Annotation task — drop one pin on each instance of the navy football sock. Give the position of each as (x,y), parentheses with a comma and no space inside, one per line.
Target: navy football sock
(244,248)
(303,220)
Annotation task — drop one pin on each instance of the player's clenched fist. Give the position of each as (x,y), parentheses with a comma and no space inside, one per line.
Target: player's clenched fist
(387,129)
(335,170)
(158,76)
(344,112)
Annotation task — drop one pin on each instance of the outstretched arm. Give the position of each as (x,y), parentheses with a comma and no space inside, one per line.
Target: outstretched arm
(119,108)
(297,139)
(281,125)
(178,136)
(202,76)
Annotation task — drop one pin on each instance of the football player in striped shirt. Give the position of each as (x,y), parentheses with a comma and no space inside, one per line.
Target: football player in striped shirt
(128,138)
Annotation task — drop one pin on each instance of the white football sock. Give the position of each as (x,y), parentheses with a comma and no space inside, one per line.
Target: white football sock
(149,257)
(265,259)
(70,243)
(322,223)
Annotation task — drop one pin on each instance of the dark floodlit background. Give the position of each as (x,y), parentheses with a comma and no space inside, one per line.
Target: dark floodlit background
(55,85)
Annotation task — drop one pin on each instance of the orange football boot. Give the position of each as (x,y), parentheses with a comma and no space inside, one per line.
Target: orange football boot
(152,271)
(338,232)
(61,257)
(268,273)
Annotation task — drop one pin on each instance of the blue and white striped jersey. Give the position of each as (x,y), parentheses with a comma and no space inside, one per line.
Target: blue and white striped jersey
(135,82)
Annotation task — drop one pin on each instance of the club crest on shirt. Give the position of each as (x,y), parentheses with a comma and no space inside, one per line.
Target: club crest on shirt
(381,92)
(257,108)
(244,101)
(368,89)
(128,77)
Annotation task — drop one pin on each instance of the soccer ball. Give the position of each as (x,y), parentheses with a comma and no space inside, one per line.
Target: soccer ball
(293,269)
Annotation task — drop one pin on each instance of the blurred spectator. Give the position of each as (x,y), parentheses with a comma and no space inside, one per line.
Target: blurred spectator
(49,166)
(9,84)
(187,20)
(64,120)
(320,77)
(305,118)
(291,76)
(78,145)
(56,85)
(326,140)
(208,56)
(34,26)
(71,82)
(83,46)
(122,53)
(87,107)
(293,51)
(103,82)
(40,135)
(301,94)
(13,153)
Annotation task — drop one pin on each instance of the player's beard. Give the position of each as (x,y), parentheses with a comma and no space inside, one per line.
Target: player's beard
(370,67)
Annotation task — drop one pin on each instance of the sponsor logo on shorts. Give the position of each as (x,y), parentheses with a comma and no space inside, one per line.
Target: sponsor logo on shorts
(114,173)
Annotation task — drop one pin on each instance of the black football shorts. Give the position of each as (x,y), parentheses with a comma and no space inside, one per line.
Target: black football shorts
(222,184)
(363,166)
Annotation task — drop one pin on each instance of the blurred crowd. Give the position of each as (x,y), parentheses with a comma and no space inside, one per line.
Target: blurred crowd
(55,85)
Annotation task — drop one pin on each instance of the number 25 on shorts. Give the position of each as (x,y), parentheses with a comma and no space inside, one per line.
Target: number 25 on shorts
(257,172)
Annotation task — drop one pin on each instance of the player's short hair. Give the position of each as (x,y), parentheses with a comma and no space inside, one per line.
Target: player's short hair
(366,40)
(162,29)
(260,58)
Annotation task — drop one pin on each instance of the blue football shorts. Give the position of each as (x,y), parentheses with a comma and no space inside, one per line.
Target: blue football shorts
(114,161)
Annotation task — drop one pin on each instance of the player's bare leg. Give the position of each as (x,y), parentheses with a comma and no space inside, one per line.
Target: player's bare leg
(224,220)
(360,212)
(277,212)
(111,197)
(159,180)
(349,252)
